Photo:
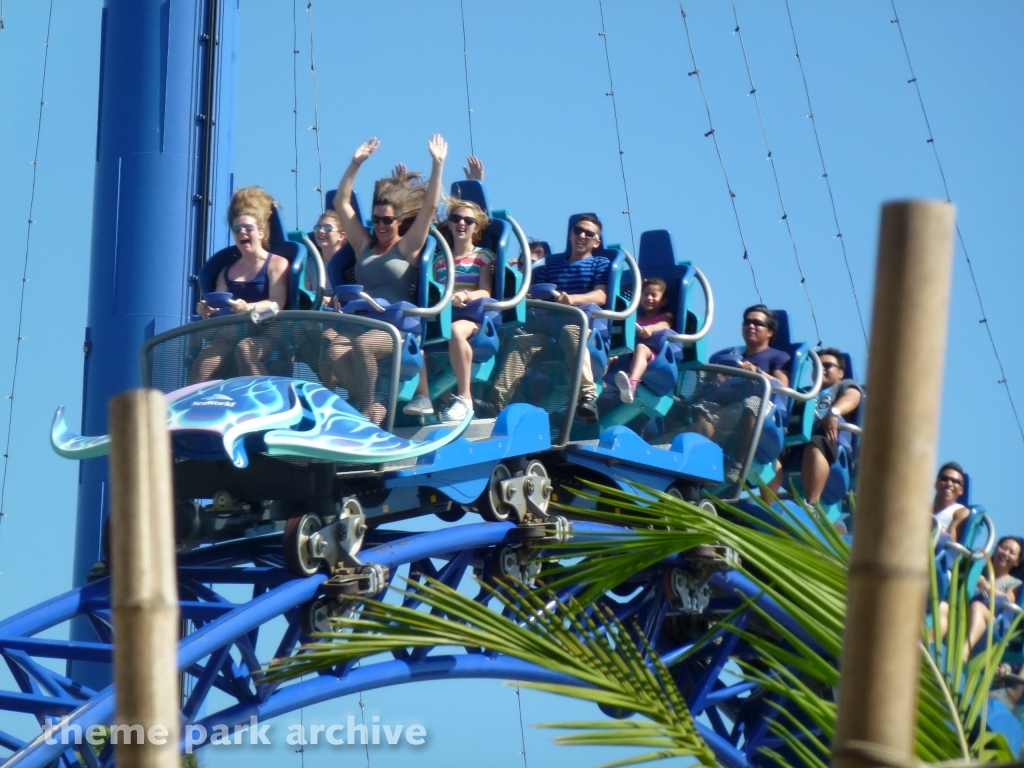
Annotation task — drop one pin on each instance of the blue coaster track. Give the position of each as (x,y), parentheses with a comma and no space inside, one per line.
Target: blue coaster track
(220,654)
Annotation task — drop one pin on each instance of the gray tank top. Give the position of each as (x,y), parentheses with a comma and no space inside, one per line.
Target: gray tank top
(387,276)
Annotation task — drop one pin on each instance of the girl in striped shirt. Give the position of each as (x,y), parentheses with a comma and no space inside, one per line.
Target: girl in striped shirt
(474,278)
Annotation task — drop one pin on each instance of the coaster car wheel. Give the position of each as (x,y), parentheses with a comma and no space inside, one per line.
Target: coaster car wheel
(492,504)
(298,557)
(707,505)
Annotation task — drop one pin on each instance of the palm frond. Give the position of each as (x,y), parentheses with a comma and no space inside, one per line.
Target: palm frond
(801,564)
(803,567)
(595,653)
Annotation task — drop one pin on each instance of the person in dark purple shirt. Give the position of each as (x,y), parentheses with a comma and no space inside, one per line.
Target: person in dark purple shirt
(759,326)
(731,423)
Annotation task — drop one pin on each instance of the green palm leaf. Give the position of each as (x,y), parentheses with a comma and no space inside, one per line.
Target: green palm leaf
(802,566)
(592,647)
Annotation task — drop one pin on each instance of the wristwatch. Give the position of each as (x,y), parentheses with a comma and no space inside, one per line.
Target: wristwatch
(835,411)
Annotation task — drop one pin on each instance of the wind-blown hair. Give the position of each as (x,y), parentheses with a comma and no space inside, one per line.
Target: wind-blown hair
(453,204)
(334,216)
(404,193)
(255,202)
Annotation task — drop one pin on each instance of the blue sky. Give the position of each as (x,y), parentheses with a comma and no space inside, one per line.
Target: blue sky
(543,124)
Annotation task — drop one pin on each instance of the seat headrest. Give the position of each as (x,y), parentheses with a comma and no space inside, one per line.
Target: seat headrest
(279,242)
(472,191)
(278,231)
(657,257)
(493,234)
(781,339)
(352,199)
(847,362)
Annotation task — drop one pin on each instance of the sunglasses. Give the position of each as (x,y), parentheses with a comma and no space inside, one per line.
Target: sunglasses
(387,221)
(587,233)
(829,366)
(467,220)
(755,323)
(949,479)
(244,228)
(324,228)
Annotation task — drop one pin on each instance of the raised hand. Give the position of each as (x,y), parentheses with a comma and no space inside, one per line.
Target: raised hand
(475,170)
(399,171)
(438,148)
(365,150)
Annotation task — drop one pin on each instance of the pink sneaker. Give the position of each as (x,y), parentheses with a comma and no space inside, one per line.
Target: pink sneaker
(626,385)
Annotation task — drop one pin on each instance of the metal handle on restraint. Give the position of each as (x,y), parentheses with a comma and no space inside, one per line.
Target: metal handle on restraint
(524,289)
(803,397)
(637,283)
(449,283)
(689,338)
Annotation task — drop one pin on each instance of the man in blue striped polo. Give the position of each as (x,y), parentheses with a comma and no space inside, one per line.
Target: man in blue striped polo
(580,279)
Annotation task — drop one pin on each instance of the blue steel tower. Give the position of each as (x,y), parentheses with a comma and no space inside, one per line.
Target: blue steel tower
(163,180)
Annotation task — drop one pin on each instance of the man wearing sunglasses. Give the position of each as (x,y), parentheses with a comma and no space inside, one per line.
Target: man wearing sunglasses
(580,279)
(731,423)
(759,326)
(949,513)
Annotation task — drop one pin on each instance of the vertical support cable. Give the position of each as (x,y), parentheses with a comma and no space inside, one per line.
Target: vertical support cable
(718,150)
(615,114)
(959,235)
(302,730)
(522,731)
(24,267)
(775,173)
(362,713)
(315,127)
(824,175)
(465,67)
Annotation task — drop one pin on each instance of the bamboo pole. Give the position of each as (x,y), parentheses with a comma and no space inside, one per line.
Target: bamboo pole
(888,579)
(144,593)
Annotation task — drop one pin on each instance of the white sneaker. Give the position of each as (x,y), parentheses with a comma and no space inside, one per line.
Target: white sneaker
(419,406)
(627,389)
(457,411)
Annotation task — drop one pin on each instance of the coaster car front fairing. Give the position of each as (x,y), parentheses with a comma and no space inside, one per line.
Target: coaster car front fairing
(216,420)
(308,441)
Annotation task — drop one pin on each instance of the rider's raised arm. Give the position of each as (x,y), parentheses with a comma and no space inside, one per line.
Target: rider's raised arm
(354,229)
(412,241)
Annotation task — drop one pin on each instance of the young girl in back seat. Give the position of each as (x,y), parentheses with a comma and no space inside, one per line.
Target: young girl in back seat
(652,319)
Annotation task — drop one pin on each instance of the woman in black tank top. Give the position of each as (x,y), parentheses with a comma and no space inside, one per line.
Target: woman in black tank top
(258,280)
